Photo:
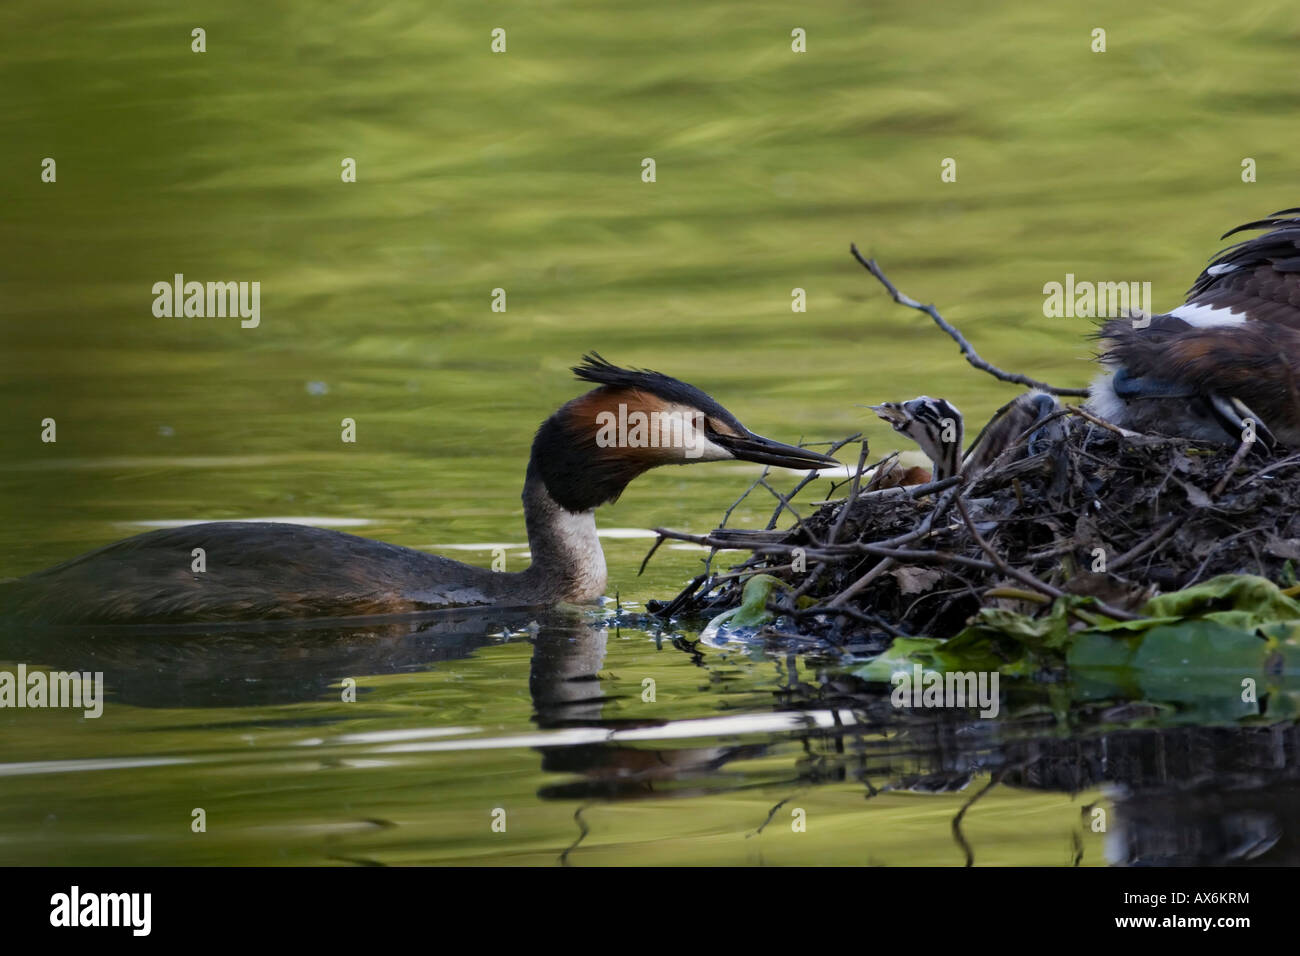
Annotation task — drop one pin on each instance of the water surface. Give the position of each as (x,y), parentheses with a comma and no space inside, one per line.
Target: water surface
(522,171)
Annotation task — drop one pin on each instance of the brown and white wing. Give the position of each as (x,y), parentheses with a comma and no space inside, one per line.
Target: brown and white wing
(1254,280)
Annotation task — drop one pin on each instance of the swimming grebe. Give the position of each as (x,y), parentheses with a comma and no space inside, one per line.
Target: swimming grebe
(1229,353)
(584,455)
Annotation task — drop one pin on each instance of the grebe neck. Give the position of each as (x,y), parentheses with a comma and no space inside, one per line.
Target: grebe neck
(567,561)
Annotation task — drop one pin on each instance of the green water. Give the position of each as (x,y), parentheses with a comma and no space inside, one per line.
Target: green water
(522,171)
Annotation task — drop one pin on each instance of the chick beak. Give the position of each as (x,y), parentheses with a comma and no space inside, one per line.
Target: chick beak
(891,413)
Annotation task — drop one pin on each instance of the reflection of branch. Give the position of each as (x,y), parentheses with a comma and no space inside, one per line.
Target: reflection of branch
(967,349)
(960,837)
(770,815)
(582,824)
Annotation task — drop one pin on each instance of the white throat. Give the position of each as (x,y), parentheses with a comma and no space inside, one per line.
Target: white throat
(567,557)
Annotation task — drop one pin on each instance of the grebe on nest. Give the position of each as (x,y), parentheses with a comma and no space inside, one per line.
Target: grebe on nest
(1222,366)
(1229,353)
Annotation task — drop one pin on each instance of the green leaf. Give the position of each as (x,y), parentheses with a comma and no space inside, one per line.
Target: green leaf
(1196,654)
(901,655)
(752,611)
(1198,664)
(1258,598)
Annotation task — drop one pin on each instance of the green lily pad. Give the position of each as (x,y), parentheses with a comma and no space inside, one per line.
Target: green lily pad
(1223,650)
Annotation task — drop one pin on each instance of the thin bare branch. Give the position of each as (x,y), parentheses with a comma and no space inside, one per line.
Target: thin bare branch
(967,350)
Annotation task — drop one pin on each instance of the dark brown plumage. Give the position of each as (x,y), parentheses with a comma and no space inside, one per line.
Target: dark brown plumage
(1230,353)
(1259,277)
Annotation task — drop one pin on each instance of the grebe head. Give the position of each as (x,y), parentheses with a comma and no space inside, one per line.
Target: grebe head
(937,426)
(934,424)
(588,451)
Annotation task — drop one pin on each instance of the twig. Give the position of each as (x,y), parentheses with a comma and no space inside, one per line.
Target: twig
(806,479)
(853,613)
(1024,577)
(1218,545)
(941,506)
(1155,538)
(648,555)
(708,562)
(1272,466)
(1101,422)
(967,350)
(879,469)
(1017,595)
(853,495)
(785,503)
(1238,457)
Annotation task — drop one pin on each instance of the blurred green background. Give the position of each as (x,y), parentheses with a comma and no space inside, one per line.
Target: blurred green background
(522,171)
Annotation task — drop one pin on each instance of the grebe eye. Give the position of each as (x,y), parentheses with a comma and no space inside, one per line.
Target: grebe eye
(717,429)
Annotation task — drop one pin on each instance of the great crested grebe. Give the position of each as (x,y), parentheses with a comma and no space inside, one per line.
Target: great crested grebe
(584,455)
(1231,352)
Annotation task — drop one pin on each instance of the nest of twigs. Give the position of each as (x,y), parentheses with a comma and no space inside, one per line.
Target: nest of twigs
(1114,517)
(1095,511)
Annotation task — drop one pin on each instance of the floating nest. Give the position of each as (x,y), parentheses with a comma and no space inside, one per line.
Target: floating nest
(1112,518)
